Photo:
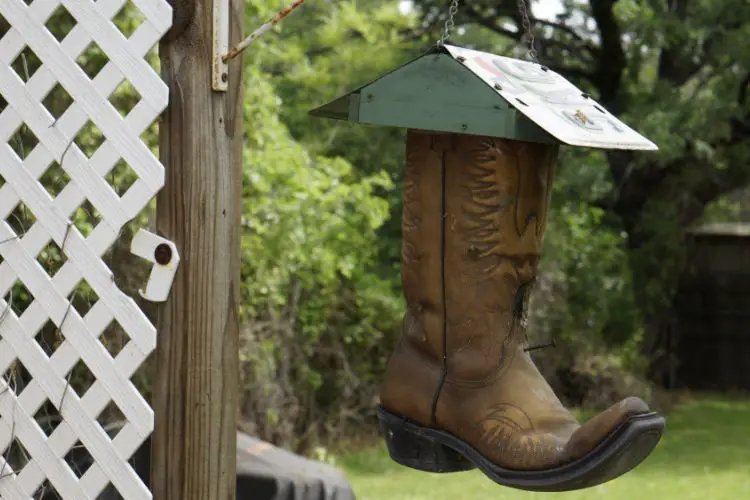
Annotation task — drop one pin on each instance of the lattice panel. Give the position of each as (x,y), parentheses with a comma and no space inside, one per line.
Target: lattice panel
(63,135)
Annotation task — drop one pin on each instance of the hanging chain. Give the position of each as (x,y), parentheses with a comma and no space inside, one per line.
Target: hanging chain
(524,11)
(450,23)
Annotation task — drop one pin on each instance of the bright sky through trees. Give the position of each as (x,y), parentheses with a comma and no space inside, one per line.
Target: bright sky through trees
(544,9)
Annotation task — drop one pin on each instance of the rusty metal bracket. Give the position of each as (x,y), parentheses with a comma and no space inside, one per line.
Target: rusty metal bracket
(220,46)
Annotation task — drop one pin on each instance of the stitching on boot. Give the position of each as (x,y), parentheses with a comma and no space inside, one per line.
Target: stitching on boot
(487,202)
(508,430)
(486,243)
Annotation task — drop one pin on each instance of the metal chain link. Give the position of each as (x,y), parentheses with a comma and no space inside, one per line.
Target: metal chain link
(524,11)
(450,23)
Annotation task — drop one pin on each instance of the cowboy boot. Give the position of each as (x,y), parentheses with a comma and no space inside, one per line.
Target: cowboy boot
(460,391)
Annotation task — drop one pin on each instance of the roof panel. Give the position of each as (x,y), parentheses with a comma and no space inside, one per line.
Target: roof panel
(552,102)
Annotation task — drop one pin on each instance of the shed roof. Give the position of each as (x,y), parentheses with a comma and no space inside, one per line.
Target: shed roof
(723,229)
(461,90)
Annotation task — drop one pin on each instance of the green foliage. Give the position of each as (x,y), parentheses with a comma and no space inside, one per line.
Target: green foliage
(322,52)
(593,260)
(586,261)
(321,219)
(309,252)
(307,218)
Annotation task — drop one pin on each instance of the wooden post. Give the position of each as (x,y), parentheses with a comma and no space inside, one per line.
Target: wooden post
(196,376)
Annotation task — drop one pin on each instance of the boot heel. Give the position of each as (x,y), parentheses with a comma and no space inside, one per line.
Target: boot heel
(411,448)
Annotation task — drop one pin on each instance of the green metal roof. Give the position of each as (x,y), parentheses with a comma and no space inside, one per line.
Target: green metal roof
(450,89)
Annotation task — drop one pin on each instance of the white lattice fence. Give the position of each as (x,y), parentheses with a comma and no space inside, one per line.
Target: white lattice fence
(48,171)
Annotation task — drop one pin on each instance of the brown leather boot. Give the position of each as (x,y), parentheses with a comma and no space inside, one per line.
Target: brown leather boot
(460,390)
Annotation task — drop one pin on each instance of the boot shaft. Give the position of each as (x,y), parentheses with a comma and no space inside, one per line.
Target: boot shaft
(475,212)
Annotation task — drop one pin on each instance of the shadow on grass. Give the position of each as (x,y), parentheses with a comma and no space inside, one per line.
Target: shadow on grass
(374,461)
(704,434)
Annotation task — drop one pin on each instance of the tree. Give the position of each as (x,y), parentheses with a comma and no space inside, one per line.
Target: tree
(676,69)
(317,319)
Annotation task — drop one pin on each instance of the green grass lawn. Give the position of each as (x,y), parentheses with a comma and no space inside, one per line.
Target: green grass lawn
(704,455)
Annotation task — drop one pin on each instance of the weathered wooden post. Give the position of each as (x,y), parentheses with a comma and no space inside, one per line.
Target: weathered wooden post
(195,391)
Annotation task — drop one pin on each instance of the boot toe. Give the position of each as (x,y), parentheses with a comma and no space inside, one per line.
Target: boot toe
(597,428)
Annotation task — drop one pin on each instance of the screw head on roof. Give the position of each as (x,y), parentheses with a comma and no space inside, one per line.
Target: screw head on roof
(544,68)
(460,58)
(498,86)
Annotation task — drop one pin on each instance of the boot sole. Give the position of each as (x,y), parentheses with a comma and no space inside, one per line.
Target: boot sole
(433,450)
